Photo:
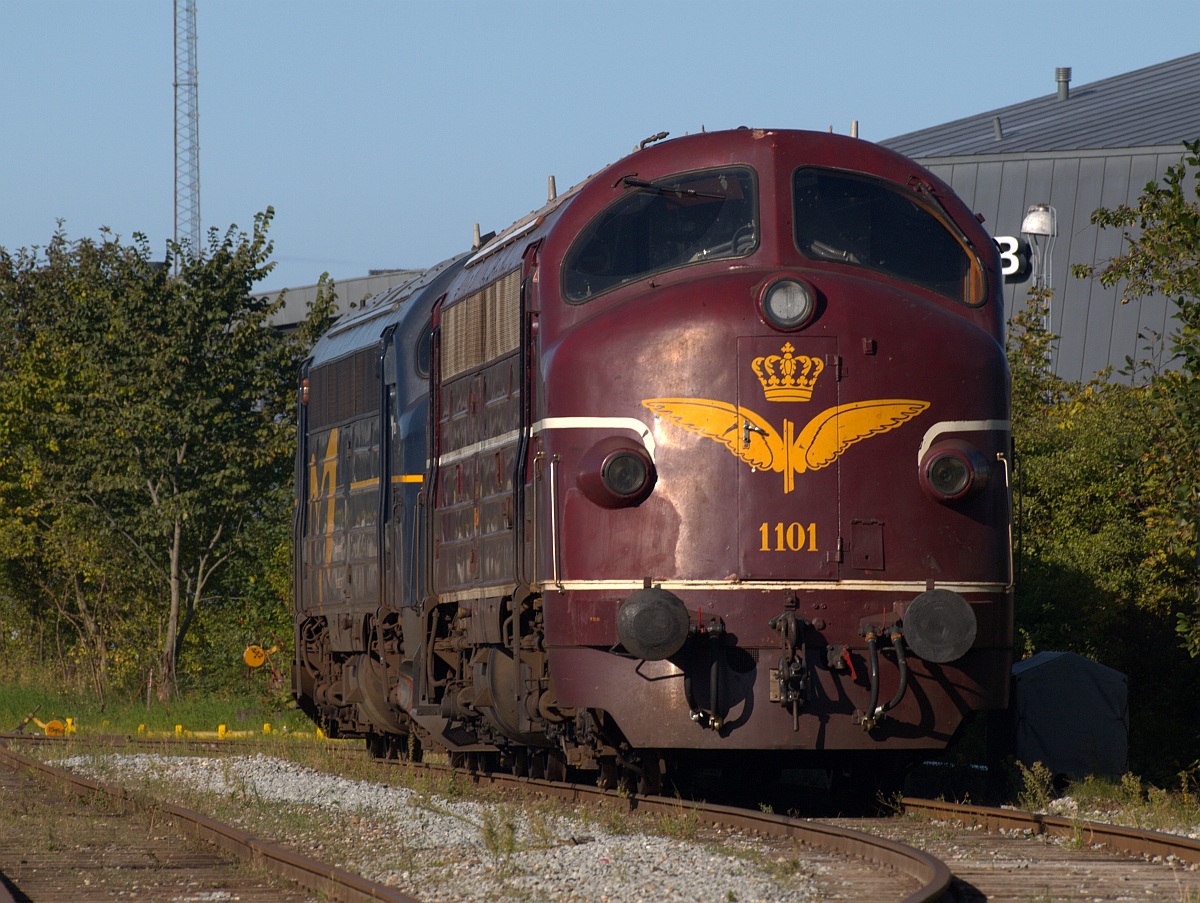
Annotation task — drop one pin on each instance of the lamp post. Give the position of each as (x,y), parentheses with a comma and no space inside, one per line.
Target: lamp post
(1041,226)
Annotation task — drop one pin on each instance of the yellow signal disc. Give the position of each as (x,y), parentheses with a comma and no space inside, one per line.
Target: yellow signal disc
(254,656)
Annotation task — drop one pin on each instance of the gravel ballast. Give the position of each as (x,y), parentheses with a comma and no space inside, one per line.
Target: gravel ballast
(441,849)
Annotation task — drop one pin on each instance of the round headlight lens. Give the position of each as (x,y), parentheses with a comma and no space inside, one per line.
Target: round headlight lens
(616,472)
(625,473)
(954,470)
(948,475)
(788,304)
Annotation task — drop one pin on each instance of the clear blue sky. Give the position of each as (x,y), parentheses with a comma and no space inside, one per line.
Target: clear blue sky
(381,131)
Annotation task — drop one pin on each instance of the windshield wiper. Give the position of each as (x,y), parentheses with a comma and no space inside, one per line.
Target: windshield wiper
(663,190)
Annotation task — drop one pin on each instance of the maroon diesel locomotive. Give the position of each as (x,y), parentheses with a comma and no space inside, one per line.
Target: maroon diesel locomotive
(706,459)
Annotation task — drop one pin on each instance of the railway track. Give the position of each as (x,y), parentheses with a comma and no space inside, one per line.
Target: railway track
(67,837)
(858,865)
(988,854)
(1005,856)
(933,851)
(898,865)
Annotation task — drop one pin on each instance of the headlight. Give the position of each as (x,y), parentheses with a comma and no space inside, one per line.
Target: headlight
(788,304)
(616,473)
(954,470)
(625,473)
(949,475)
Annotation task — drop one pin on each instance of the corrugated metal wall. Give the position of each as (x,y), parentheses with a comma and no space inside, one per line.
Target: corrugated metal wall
(1096,329)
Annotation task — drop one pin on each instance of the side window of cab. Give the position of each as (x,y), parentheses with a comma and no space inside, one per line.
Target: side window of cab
(655,226)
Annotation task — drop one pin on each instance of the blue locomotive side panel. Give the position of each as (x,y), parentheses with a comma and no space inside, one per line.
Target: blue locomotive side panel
(340,545)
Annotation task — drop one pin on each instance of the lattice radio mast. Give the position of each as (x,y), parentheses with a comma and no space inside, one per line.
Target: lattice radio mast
(187,130)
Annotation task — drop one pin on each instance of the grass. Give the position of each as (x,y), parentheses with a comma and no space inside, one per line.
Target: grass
(1037,787)
(682,823)
(122,716)
(1142,805)
(499,835)
(1129,801)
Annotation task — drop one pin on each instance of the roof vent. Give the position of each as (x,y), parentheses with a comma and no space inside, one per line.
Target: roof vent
(1062,75)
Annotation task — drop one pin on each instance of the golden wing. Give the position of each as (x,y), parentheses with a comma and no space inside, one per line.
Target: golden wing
(743,432)
(835,429)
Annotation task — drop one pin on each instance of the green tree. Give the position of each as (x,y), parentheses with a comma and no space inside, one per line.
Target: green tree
(1093,577)
(1081,532)
(1162,234)
(154,422)
(57,556)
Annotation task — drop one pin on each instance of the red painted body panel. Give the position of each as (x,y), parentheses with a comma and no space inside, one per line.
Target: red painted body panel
(653,710)
(784,488)
(855,539)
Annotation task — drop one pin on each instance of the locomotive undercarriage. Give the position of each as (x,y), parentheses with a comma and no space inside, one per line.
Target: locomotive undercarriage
(425,684)
(488,706)
(493,706)
(496,705)
(343,691)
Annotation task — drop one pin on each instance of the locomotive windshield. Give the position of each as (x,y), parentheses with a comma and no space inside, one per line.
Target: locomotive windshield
(867,223)
(661,225)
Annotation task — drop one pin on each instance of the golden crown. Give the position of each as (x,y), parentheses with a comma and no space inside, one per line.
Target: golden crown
(787,378)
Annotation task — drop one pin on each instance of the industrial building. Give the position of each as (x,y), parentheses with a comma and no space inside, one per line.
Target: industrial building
(1067,154)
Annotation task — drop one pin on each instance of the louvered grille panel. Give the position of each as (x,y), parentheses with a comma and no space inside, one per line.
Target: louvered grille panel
(342,390)
(462,337)
(482,327)
(502,300)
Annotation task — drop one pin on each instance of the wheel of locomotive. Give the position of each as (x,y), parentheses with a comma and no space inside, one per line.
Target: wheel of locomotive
(487,762)
(520,762)
(458,760)
(556,766)
(650,781)
(382,746)
(537,765)
(610,774)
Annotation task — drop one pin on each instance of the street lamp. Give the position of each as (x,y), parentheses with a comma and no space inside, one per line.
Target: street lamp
(1041,226)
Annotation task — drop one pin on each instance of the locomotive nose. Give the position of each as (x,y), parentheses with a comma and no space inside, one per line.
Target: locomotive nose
(652,624)
(939,626)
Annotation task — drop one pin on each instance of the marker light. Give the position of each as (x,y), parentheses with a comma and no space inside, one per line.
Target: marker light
(624,472)
(788,304)
(951,471)
(616,473)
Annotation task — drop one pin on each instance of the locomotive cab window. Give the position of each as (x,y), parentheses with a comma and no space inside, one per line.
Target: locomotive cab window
(868,223)
(661,225)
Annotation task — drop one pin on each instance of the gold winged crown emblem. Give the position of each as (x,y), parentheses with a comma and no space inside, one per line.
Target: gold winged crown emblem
(756,442)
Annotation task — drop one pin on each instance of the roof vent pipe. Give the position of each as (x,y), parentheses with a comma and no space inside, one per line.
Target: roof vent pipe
(1062,75)
(998,128)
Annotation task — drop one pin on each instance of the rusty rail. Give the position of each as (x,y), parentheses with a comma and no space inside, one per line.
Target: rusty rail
(1118,838)
(931,873)
(321,879)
